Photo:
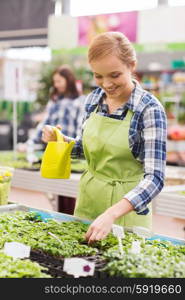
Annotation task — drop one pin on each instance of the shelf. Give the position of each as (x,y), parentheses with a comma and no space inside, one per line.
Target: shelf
(177,146)
(32,180)
(170,204)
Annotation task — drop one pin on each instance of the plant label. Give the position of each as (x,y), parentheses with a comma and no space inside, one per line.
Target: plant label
(78,267)
(136,247)
(118,231)
(17,250)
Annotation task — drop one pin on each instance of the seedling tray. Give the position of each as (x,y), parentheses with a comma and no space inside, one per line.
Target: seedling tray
(47,214)
(55,264)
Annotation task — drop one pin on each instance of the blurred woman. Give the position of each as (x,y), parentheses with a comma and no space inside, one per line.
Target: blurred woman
(65,104)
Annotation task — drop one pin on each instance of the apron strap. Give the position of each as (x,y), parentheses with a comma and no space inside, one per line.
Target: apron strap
(113,181)
(96,109)
(129,115)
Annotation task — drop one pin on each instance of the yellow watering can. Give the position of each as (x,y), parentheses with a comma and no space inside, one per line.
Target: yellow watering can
(56,160)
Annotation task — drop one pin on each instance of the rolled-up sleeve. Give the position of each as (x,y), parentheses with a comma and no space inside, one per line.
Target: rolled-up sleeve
(153,138)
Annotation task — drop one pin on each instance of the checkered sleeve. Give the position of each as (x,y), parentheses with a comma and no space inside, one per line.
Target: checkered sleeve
(153,137)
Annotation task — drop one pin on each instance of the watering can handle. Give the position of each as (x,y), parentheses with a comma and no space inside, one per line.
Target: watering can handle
(58,134)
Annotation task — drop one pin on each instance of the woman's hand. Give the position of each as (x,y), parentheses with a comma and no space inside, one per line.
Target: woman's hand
(100,228)
(48,134)
(102,225)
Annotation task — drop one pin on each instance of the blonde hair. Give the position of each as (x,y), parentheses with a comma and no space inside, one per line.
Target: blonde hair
(112,43)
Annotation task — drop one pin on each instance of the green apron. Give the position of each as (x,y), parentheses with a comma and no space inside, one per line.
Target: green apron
(112,170)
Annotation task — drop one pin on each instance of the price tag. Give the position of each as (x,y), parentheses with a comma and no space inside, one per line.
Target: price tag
(17,250)
(136,247)
(118,231)
(78,267)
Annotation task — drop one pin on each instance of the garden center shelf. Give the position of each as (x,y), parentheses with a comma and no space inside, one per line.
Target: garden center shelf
(171,201)
(32,180)
(171,204)
(175,145)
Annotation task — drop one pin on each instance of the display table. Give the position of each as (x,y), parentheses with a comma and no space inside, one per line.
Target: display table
(64,190)
(175,172)
(32,180)
(170,202)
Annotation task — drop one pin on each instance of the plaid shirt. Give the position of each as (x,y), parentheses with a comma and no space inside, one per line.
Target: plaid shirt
(147,140)
(64,111)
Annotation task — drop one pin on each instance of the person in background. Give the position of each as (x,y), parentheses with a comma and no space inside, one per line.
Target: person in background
(124,141)
(64,108)
(65,105)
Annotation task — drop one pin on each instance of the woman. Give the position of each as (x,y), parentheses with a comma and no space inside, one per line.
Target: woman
(124,142)
(65,105)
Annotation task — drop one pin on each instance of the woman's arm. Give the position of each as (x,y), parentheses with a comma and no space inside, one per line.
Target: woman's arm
(154,135)
(102,225)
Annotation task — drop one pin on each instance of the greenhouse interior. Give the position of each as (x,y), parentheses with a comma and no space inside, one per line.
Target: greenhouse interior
(92,139)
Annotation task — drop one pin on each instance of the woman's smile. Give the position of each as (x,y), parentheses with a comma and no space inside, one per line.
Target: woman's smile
(111,90)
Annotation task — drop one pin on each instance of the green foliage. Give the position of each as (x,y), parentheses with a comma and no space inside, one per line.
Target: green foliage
(183,99)
(7,159)
(181,118)
(181,113)
(6,109)
(4,192)
(78,165)
(156,259)
(10,268)
(26,228)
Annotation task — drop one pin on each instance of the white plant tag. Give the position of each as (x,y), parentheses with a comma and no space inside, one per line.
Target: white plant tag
(120,246)
(136,247)
(17,250)
(78,267)
(118,231)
